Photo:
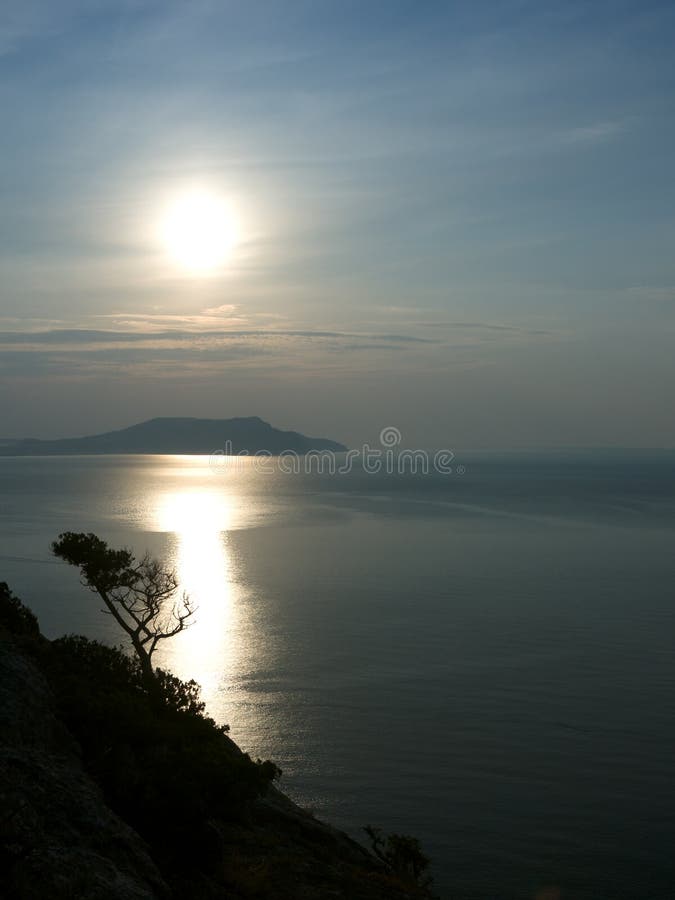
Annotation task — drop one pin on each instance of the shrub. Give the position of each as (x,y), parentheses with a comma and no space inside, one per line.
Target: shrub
(401,854)
(14,616)
(163,765)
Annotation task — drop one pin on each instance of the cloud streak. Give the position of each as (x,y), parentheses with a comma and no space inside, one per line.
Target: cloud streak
(91,338)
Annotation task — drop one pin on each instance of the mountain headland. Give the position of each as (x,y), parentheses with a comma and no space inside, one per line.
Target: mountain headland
(245,435)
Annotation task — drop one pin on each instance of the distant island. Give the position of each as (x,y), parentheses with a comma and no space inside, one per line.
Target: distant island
(179,435)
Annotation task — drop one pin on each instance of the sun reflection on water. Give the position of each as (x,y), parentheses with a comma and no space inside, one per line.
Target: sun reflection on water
(200,519)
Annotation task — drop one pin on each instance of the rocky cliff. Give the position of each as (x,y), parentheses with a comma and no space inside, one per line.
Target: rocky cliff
(60,839)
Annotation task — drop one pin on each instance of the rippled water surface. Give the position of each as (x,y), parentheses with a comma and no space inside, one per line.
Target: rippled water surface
(485,661)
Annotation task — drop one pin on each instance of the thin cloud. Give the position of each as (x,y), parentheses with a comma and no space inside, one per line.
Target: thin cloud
(488,326)
(90,338)
(586,135)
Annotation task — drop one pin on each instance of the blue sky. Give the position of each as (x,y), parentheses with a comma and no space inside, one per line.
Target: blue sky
(455,218)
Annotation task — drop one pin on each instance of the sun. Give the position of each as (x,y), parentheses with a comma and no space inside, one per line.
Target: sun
(199,231)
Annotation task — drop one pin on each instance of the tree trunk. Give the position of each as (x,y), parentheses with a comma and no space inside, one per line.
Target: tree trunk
(147,672)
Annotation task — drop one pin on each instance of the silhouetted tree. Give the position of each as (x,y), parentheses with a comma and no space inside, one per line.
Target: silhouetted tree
(139,594)
(401,854)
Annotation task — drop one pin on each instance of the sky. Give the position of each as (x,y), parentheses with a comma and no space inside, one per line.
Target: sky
(457,219)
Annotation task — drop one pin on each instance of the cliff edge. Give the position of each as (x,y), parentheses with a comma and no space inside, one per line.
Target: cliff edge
(64,828)
(58,839)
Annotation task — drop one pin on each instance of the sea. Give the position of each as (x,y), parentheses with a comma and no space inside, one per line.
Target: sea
(482,658)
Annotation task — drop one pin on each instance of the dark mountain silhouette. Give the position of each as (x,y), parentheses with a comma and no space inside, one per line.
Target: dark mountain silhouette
(179,435)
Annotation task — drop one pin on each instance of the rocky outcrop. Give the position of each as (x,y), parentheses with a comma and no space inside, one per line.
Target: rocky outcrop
(58,839)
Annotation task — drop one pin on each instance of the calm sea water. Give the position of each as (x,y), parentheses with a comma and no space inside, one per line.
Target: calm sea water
(484,661)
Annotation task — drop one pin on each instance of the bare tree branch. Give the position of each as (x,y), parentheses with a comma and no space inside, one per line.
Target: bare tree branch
(135,592)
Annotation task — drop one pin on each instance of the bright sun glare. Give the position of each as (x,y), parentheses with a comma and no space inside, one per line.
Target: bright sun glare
(199,231)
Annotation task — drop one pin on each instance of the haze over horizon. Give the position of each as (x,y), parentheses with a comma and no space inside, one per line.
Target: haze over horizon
(455,219)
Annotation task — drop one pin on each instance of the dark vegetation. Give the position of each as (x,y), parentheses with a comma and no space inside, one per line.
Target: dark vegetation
(163,765)
(16,618)
(203,807)
(401,854)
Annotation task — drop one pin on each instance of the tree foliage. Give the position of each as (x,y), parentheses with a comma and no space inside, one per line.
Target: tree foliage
(14,616)
(141,595)
(401,854)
